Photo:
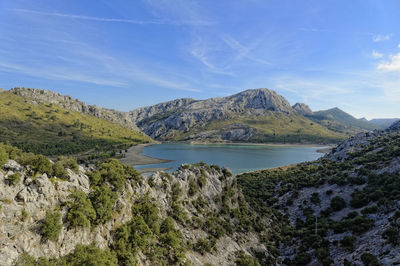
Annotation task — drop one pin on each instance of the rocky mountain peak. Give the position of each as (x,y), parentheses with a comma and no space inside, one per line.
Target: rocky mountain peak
(302,108)
(261,99)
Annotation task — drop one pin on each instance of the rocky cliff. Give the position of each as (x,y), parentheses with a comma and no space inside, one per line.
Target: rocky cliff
(210,222)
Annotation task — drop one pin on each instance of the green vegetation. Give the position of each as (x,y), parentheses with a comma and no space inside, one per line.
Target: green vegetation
(338,203)
(51,226)
(51,130)
(275,127)
(82,255)
(14,179)
(379,192)
(81,212)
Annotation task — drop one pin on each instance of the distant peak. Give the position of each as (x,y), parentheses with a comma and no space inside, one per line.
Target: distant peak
(302,108)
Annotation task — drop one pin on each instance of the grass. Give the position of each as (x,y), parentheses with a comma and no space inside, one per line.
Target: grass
(52,130)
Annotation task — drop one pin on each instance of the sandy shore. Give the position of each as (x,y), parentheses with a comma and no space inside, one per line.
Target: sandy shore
(134,157)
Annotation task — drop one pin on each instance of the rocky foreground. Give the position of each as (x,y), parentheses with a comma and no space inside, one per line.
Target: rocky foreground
(201,199)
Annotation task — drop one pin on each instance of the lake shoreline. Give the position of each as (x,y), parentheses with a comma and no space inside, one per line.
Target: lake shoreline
(135,156)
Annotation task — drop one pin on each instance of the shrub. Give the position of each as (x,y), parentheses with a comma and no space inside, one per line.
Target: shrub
(245,260)
(337,203)
(192,188)
(203,246)
(369,210)
(14,178)
(348,243)
(147,208)
(3,156)
(41,164)
(103,200)
(89,255)
(25,260)
(51,226)
(369,259)
(392,235)
(315,198)
(81,211)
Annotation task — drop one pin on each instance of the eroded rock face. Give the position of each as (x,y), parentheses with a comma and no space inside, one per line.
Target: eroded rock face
(36,195)
(161,121)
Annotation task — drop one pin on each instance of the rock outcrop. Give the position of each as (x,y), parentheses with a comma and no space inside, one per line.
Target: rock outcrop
(25,203)
(302,109)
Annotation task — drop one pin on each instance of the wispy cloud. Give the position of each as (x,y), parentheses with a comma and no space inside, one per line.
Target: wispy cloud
(117,20)
(243,51)
(376,54)
(392,65)
(381,37)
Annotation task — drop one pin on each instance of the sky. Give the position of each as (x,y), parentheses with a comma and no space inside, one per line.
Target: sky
(126,54)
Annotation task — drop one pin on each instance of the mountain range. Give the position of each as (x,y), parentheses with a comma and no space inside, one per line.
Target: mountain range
(257,115)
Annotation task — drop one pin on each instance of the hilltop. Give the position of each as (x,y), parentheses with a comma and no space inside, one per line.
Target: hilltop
(48,128)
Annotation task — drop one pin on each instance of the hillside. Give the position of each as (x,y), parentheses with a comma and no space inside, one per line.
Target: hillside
(63,214)
(52,130)
(341,209)
(384,122)
(337,120)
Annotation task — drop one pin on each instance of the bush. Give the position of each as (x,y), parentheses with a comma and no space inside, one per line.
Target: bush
(89,255)
(315,198)
(192,188)
(51,226)
(3,156)
(348,243)
(41,164)
(337,203)
(392,235)
(25,260)
(103,200)
(245,260)
(81,212)
(369,259)
(14,178)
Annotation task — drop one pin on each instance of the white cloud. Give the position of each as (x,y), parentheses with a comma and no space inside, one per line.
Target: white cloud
(376,54)
(392,65)
(398,45)
(381,37)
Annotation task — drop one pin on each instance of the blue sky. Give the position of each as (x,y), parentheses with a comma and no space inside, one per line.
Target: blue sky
(125,54)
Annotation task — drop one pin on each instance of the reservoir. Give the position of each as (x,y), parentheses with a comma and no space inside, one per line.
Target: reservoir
(239,158)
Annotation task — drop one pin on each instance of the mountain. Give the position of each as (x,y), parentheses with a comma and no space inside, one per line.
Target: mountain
(342,209)
(63,214)
(259,115)
(339,121)
(47,128)
(394,126)
(384,122)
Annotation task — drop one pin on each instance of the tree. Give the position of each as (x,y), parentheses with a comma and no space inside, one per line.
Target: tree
(337,203)
(51,226)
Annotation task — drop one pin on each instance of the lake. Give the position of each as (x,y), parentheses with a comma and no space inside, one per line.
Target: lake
(237,157)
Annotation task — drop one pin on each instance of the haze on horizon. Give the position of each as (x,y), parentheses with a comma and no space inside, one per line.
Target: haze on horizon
(127,54)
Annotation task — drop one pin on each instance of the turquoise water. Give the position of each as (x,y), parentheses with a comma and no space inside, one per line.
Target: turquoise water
(238,158)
